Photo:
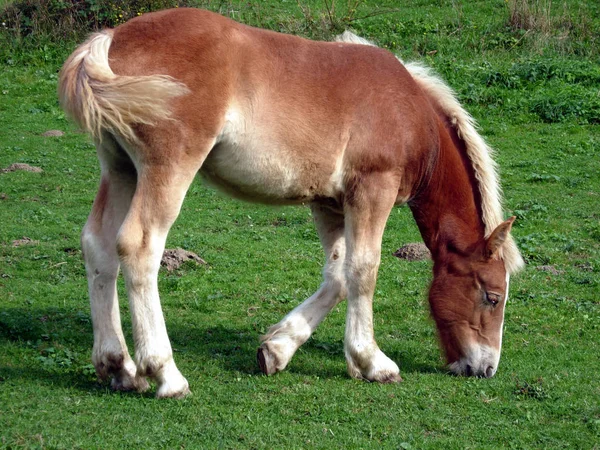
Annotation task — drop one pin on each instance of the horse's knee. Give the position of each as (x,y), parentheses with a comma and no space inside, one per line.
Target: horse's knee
(100,260)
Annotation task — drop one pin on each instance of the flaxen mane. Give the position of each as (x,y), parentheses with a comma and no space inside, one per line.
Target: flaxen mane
(479,153)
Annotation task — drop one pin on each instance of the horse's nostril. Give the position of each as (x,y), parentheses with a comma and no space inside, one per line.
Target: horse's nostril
(489,372)
(468,371)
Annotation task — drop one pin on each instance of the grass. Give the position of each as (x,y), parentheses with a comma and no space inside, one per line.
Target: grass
(538,108)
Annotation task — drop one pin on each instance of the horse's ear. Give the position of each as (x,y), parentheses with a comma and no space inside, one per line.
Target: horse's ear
(498,237)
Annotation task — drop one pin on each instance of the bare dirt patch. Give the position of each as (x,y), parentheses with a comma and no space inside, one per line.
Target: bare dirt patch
(21,166)
(24,241)
(550,269)
(53,133)
(415,251)
(173,258)
(585,267)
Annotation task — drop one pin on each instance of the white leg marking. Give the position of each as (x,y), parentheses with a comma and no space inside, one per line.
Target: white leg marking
(363,356)
(153,353)
(109,355)
(364,231)
(141,242)
(283,339)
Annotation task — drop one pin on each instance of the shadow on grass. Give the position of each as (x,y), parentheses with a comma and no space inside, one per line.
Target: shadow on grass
(53,346)
(235,350)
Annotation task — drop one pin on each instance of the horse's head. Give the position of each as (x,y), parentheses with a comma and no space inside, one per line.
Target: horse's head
(467,298)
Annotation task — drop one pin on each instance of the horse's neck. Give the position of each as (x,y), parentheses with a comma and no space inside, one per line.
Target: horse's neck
(447,208)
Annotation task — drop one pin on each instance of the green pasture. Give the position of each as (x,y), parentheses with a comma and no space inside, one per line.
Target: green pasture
(536,95)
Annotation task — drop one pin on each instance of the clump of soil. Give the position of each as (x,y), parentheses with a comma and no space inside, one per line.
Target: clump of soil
(413,252)
(173,258)
(550,269)
(21,166)
(585,267)
(24,241)
(53,133)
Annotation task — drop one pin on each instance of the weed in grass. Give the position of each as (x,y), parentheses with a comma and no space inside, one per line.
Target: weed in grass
(531,390)
(543,178)
(530,209)
(569,102)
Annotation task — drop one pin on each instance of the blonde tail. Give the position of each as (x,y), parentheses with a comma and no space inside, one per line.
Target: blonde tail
(97,99)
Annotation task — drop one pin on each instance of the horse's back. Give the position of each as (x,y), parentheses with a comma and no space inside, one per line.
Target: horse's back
(289,117)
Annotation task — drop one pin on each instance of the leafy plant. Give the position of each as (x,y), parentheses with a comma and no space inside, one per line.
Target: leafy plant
(534,389)
(566,103)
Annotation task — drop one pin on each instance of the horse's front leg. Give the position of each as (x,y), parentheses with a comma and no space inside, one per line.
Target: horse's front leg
(366,212)
(283,339)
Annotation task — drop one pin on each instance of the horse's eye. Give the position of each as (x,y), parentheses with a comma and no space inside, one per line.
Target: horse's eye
(493,298)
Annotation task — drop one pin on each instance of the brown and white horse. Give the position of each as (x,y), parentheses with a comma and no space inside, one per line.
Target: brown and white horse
(342,126)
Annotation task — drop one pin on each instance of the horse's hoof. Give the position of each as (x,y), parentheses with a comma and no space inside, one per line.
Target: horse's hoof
(390,378)
(174,394)
(266,360)
(126,383)
(174,390)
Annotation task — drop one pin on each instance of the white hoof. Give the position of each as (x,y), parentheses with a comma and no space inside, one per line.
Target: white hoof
(280,344)
(171,384)
(378,368)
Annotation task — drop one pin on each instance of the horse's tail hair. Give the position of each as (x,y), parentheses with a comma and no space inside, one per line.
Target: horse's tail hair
(99,100)
(479,153)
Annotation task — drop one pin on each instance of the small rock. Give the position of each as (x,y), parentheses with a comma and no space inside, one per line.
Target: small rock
(21,166)
(550,269)
(53,133)
(173,258)
(413,252)
(3,196)
(24,241)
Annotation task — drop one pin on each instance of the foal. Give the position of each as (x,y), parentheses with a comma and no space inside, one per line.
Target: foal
(341,126)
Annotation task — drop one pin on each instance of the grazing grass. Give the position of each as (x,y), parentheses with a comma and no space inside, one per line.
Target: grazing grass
(537,101)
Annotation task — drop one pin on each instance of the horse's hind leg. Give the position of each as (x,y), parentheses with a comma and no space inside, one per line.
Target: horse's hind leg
(161,188)
(283,339)
(367,208)
(98,240)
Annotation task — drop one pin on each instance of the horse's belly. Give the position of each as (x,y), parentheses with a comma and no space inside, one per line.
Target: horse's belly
(256,161)
(253,175)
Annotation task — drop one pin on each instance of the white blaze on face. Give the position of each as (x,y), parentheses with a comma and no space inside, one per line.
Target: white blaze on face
(503,311)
